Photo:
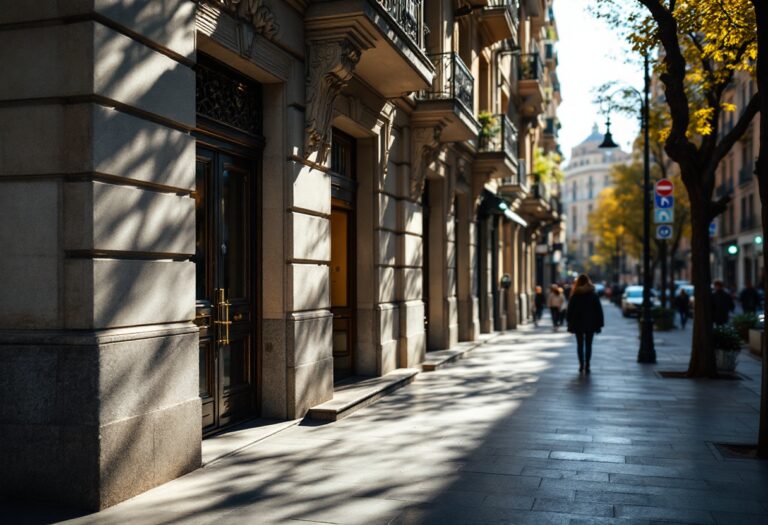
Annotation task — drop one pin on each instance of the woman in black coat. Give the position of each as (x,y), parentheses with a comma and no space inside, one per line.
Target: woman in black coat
(585,318)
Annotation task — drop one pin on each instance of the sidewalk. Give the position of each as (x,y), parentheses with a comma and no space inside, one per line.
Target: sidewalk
(512,434)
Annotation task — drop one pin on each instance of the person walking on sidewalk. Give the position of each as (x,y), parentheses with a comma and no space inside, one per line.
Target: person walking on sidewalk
(555,302)
(722,304)
(585,318)
(682,304)
(539,302)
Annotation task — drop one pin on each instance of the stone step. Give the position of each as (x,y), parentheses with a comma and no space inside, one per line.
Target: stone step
(440,358)
(359,392)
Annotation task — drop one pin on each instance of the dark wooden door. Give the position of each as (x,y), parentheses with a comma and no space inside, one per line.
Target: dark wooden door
(226,313)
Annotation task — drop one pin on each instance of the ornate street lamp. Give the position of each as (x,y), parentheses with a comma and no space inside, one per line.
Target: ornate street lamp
(647,352)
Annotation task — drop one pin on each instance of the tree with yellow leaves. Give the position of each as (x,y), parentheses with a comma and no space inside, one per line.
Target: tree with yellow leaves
(617,220)
(702,44)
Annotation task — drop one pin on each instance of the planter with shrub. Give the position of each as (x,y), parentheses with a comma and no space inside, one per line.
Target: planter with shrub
(663,318)
(743,322)
(727,343)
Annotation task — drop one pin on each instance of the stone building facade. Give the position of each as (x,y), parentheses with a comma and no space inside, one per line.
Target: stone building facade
(738,242)
(219,209)
(587,174)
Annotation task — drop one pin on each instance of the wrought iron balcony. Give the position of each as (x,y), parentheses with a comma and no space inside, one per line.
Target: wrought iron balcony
(530,84)
(540,190)
(724,188)
(500,18)
(552,126)
(497,150)
(746,175)
(501,138)
(748,222)
(449,102)
(409,15)
(530,67)
(452,81)
(392,60)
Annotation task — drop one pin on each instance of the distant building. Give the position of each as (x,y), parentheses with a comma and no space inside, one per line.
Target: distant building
(738,243)
(588,172)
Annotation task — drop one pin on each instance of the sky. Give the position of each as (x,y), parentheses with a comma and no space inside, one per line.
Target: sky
(591,54)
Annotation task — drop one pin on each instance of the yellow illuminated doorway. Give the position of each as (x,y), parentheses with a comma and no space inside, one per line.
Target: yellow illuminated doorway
(343,296)
(341,293)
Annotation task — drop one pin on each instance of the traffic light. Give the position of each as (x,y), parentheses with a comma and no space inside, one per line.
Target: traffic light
(733,249)
(758,239)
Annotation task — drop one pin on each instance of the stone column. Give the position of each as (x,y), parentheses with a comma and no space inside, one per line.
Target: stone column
(98,352)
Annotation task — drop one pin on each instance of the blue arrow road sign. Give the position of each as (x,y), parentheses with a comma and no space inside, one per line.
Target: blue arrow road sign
(663,232)
(664,202)
(664,215)
(712,229)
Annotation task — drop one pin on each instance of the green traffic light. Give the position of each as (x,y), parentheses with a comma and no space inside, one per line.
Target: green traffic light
(733,249)
(758,239)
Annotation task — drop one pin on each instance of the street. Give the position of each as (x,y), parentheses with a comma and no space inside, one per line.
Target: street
(512,434)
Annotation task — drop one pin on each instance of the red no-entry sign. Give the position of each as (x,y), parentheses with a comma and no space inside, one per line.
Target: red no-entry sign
(664,188)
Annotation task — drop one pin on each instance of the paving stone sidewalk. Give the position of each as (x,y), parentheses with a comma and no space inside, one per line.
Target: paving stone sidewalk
(512,434)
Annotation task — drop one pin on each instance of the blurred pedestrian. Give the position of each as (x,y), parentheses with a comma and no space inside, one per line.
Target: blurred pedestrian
(539,302)
(749,299)
(722,304)
(585,318)
(682,304)
(555,302)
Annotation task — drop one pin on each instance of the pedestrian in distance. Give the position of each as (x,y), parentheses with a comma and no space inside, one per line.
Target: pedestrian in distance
(585,318)
(555,302)
(722,304)
(539,302)
(682,304)
(749,299)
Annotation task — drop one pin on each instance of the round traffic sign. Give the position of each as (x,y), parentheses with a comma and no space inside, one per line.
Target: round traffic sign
(664,188)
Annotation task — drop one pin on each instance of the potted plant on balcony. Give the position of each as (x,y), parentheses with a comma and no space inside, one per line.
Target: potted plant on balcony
(489,128)
(727,344)
(743,322)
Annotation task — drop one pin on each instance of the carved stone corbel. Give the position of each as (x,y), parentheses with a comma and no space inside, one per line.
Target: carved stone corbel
(257,12)
(425,148)
(330,66)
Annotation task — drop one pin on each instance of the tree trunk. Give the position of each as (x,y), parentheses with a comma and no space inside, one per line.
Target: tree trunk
(702,363)
(761,12)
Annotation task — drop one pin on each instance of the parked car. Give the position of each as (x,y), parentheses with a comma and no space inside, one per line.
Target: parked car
(632,300)
(600,289)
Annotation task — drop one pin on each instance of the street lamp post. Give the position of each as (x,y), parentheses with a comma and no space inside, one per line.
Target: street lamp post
(647,352)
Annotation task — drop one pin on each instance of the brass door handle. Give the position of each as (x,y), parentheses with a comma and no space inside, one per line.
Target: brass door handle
(222,310)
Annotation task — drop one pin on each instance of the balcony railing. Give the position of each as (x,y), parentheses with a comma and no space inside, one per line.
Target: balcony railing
(552,127)
(513,6)
(540,190)
(452,81)
(530,67)
(724,188)
(409,15)
(745,175)
(501,138)
(748,223)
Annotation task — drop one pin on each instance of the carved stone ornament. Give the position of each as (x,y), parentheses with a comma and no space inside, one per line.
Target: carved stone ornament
(330,66)
(425,148)
(257,12)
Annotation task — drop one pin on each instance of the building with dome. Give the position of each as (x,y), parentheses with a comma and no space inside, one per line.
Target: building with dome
(587,173)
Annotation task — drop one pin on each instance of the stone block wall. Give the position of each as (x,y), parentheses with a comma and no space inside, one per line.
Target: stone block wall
(98,383)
